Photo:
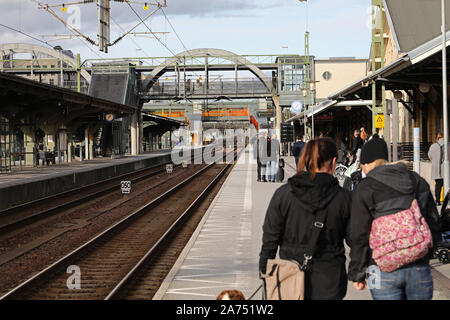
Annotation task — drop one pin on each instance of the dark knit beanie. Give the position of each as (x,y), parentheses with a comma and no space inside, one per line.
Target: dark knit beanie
(374,149)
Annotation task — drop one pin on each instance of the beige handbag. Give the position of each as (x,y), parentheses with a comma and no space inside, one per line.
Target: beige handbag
(285,279)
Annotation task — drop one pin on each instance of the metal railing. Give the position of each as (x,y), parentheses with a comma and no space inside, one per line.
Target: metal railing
(406,151)
(225,87)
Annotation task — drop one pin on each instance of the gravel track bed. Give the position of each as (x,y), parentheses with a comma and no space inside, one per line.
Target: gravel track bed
(104,265)
(21,268)
(58,200)
(146,283)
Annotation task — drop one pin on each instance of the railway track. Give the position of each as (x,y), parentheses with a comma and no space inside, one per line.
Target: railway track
(109,262)
(16,217)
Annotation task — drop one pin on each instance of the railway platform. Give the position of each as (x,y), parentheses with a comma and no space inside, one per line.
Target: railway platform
(31,183)
(223,252)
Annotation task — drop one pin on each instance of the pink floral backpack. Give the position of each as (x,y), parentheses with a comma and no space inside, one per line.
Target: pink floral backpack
(397,239)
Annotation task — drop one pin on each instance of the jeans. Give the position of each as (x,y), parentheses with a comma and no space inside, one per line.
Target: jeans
(271,170)
(408,283)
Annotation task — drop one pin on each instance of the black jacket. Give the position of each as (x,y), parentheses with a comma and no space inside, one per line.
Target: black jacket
(357,144)
(297,148)
(289,219)
(384,183)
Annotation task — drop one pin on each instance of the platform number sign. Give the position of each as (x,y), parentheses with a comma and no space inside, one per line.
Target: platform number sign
(169,168)
(125,186)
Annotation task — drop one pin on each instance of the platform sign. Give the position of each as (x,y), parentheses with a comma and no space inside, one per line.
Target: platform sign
(169,168)
(379,121)
(125,186)
(287,132)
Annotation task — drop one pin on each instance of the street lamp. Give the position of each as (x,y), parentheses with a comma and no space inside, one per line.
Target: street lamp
(306,2)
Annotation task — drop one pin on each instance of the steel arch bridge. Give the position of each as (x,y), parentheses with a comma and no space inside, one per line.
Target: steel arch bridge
(264,87)
(40,51)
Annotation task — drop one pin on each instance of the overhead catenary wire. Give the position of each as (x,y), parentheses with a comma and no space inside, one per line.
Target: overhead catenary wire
(179,38)
(176,33)
(174,54)
(123,30)
(26,34)
(74,33)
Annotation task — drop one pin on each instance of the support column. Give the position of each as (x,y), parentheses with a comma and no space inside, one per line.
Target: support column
(140,139)
(134,135)
(69,147)
(278,117)
(28,137)
(86,143)
(91,146)
(377,62)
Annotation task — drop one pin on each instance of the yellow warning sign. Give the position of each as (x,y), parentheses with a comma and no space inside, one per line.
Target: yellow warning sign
(379,121)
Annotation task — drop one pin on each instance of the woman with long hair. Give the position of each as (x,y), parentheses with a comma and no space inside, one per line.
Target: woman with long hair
(292,216)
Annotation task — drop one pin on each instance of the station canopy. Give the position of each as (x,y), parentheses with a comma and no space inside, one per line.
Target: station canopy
(23,97)
(415,25)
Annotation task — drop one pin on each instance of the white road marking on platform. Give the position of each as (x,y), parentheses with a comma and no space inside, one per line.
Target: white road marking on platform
(248,189)
(206,281)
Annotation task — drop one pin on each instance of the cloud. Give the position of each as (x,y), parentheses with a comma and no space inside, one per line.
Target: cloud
(25,15)
(242,26)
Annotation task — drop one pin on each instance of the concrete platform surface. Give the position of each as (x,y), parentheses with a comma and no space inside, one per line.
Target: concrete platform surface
(27,174)
(223,253)
(29,184)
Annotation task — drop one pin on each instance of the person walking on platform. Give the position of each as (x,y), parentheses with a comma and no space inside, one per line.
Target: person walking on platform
(262,155)
(308,220)
(364,135)
(394,223)
(436,155)
(273,151)
(297,149)
(357,144)
(259,141)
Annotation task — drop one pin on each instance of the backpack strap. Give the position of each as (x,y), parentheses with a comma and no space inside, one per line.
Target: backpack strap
(415,184)
(319,223)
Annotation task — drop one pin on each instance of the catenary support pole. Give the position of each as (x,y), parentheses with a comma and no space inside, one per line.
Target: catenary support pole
(394,130)
(444,102)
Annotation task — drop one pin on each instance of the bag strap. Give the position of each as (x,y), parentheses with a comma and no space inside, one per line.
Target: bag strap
(279,284)
(256,291)
(319,223)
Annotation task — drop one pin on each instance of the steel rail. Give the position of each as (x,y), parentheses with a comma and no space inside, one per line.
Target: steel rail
(70,204)
(110,232)
(126,280)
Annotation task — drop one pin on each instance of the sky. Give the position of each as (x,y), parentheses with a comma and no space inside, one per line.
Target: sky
(337,28)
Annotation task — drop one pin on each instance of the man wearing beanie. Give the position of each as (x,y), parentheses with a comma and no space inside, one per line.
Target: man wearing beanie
(386,187)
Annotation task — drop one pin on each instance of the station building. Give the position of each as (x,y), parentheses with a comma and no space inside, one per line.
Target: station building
(402,82)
